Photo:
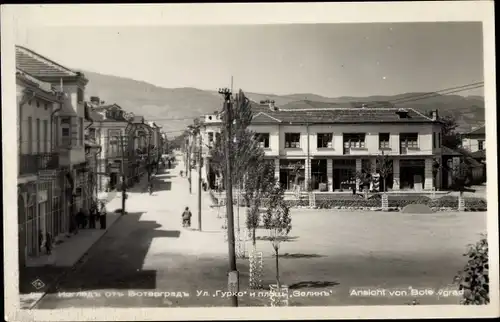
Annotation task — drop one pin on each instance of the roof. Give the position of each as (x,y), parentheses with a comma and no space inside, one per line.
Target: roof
(481,154)
(450,152)
(308,112)
(40,66)
(45,89)
(468,156)
(478,131)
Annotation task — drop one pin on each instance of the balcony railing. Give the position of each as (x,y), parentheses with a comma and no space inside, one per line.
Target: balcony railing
(32,163)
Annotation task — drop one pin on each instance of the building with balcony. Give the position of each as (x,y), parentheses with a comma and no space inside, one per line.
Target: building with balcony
(92,148)
(40,183)
(110,124)
(328,147)
(68,125)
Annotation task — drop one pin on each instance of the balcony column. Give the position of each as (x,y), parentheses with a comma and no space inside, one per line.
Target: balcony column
(329,173)
(277,169)
(395,174)
(428,180)
(307,173)
(358,169)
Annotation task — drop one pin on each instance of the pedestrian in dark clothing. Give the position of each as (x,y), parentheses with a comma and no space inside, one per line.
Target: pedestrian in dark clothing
(40,240)
(102,218)
(48,243)
(92,217)
(80,217)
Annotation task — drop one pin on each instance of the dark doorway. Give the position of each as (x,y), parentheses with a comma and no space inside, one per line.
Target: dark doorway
(319,174)
(411,173)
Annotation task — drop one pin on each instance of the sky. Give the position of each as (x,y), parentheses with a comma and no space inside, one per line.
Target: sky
(326,59)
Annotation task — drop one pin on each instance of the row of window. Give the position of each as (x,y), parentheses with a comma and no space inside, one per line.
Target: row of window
(351,140)
(66,135)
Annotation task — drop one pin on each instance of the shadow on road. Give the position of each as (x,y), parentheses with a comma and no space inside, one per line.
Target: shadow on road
(116,261)
(298,255)
(162,186)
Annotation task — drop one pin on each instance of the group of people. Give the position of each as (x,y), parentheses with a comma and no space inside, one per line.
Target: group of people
(88,219)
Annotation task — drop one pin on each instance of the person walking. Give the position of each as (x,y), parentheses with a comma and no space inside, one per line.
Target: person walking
(186,218)
(92,216)
(102,217)
(48,243)
(80,216)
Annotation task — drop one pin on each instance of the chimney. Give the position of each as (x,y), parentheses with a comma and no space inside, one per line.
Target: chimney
(434,115)
(95,100)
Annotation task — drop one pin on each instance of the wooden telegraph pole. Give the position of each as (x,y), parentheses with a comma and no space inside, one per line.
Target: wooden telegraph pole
(233,278)
(124,185)
(199,178)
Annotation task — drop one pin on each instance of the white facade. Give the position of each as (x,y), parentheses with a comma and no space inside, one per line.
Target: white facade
(377,139)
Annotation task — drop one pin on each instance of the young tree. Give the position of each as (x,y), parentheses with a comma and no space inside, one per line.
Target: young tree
(385,168)
(278,221)
(259,183)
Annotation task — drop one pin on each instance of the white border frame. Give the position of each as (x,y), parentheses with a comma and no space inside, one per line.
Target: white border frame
(29,16)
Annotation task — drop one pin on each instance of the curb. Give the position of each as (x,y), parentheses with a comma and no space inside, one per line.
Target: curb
(71,268)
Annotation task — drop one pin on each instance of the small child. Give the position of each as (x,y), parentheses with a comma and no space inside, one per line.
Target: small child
(186,218)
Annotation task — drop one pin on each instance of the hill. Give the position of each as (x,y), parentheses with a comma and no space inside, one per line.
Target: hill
(175,108)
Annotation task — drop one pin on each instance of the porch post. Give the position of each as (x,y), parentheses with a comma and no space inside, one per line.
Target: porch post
(358,169)
(329,173)
(428,181)
(395,174)
(277,169)
(307,173)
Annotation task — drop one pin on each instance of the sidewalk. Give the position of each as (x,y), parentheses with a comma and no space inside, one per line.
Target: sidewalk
(50,268)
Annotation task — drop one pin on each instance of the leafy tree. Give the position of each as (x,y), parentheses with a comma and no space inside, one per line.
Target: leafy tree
(451,138)
(278,221)
(259,183)
(385,168)
(474,280)
(242,145)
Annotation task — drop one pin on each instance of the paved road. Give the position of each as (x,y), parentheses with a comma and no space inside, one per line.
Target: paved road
(148,251)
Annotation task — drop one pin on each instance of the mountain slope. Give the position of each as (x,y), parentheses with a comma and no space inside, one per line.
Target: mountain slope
(175,108)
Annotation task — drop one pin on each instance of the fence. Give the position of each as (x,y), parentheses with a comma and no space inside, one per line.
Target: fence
(343,201)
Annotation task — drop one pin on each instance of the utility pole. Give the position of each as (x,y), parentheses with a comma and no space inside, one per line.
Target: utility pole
(190,150)
(148,159)
(124,188)
(233,278)
(199,178)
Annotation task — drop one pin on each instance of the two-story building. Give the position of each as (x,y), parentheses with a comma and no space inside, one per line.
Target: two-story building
(62,192)
(328,146)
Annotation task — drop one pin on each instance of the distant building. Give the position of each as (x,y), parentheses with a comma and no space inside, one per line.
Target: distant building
(474,140)
(332,144)
(110,124)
